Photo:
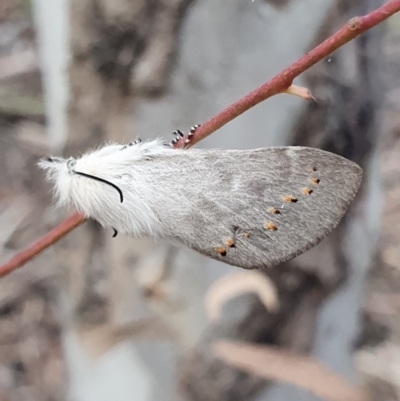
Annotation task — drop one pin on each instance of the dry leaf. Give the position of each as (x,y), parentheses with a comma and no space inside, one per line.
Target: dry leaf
(235,284)
(282,366)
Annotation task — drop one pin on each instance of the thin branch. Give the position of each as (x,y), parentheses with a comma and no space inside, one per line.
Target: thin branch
(43,243)
(279,84)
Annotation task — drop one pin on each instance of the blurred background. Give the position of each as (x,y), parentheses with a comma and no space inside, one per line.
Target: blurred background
(96,318)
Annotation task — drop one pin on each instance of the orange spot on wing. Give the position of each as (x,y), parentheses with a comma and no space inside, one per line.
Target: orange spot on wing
(230,242)
(221,251)
(290,198)
(270,226)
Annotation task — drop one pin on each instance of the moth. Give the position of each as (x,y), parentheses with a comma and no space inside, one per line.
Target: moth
(248,208)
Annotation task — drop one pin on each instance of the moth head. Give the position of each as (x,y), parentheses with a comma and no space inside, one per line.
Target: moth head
(59,171)
(70,188)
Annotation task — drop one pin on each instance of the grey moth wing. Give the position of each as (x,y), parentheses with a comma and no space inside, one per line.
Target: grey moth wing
(258,208)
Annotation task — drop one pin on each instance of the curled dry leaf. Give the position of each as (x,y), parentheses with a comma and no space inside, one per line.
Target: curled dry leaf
(235,284)
(282,366)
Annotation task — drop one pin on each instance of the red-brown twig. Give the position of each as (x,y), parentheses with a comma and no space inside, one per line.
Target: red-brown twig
(40,245)
(279,84)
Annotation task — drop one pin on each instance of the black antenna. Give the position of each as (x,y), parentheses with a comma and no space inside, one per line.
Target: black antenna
(102,180)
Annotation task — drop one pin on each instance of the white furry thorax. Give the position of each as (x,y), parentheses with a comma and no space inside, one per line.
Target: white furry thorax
(121,165)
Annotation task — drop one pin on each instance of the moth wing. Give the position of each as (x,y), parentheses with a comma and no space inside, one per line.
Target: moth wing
(259,208)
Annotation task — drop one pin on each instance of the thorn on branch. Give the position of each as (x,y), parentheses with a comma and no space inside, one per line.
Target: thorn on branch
(300,91)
